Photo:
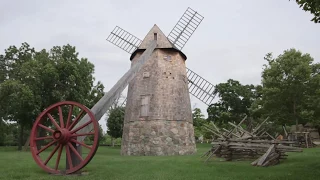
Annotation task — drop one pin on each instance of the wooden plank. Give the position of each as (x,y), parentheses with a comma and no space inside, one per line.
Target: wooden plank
(272,157)
(285,131)
(214,132)
(217,149)
(254,163)
(260,125)
(228,135)
(265,156)
(230,132)
(215,126)
(263,141)
(237,127)
(270,136)
(306,137)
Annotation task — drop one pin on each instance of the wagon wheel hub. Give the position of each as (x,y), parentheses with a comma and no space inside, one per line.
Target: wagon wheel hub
(63,135)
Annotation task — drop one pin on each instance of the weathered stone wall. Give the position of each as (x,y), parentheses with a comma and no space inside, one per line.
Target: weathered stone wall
(157,138)
(168,127)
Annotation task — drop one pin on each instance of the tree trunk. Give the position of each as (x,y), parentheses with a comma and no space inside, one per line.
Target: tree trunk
(20,138)
(112,141)
(295,114)
(26,145)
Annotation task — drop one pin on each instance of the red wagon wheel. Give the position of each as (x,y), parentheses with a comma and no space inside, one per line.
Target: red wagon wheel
(57,133)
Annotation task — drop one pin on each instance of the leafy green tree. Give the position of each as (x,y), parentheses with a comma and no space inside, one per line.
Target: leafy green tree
(234,103)
(286,84)
(115,120)
(313,6)
(33,80)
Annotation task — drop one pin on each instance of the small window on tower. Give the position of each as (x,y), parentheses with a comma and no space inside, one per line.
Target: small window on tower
(144,105)
(155,36)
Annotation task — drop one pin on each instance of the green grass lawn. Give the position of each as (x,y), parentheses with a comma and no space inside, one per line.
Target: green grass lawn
(108,164)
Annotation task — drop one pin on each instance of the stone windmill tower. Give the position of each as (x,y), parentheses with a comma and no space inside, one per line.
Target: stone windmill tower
(158,117)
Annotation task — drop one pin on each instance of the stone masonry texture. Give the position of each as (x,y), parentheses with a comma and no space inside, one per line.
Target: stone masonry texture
(168,128)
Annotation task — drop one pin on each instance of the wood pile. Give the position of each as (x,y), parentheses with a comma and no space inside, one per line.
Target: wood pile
(242,144)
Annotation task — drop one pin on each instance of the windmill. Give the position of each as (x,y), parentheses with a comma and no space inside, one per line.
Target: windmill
(165,96)
(158,116)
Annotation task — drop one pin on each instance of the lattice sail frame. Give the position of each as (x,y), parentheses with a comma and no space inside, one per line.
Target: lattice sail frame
(124,40)
(184,28)
(200,88)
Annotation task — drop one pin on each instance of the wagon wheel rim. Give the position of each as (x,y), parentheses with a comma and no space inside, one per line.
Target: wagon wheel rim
(63,133)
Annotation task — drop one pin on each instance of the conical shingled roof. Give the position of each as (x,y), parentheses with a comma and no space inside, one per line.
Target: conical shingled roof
(162,41)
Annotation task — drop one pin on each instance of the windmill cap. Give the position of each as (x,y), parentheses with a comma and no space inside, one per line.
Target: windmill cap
(162,41)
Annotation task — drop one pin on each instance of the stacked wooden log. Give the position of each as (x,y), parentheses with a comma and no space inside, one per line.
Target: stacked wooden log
(242,144)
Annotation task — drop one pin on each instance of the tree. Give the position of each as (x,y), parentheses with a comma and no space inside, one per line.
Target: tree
(115,119)
(198,122)
(198,118)
(286,84)
(313,6)
(311,104)
(3,127)
(234,103)
(33,80)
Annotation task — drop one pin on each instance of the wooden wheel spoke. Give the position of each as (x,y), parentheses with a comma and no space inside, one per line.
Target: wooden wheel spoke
(58,157)
(61,117)
(82,126)
(46,147)
(53,121)
(69,116)
(46,128)
(82,134)
(75,151)
(76,120)
(64,130)
(43,138)
(52,153)
(69,157)
(81,143)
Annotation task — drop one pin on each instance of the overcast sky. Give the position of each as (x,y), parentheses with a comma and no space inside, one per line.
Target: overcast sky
(230,42)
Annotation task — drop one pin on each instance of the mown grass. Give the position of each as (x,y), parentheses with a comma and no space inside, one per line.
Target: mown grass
(108,164)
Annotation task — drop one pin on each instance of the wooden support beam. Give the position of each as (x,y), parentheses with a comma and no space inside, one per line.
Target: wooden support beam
(218,130)
(264,157)
(231,132)
(214,132)
(285,131)
(260,125)
(270,136)
(238,125)
(241,129)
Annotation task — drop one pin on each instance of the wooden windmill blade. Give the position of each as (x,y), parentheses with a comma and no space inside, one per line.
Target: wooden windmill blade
(184,28)
(198,86)
(124,40)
